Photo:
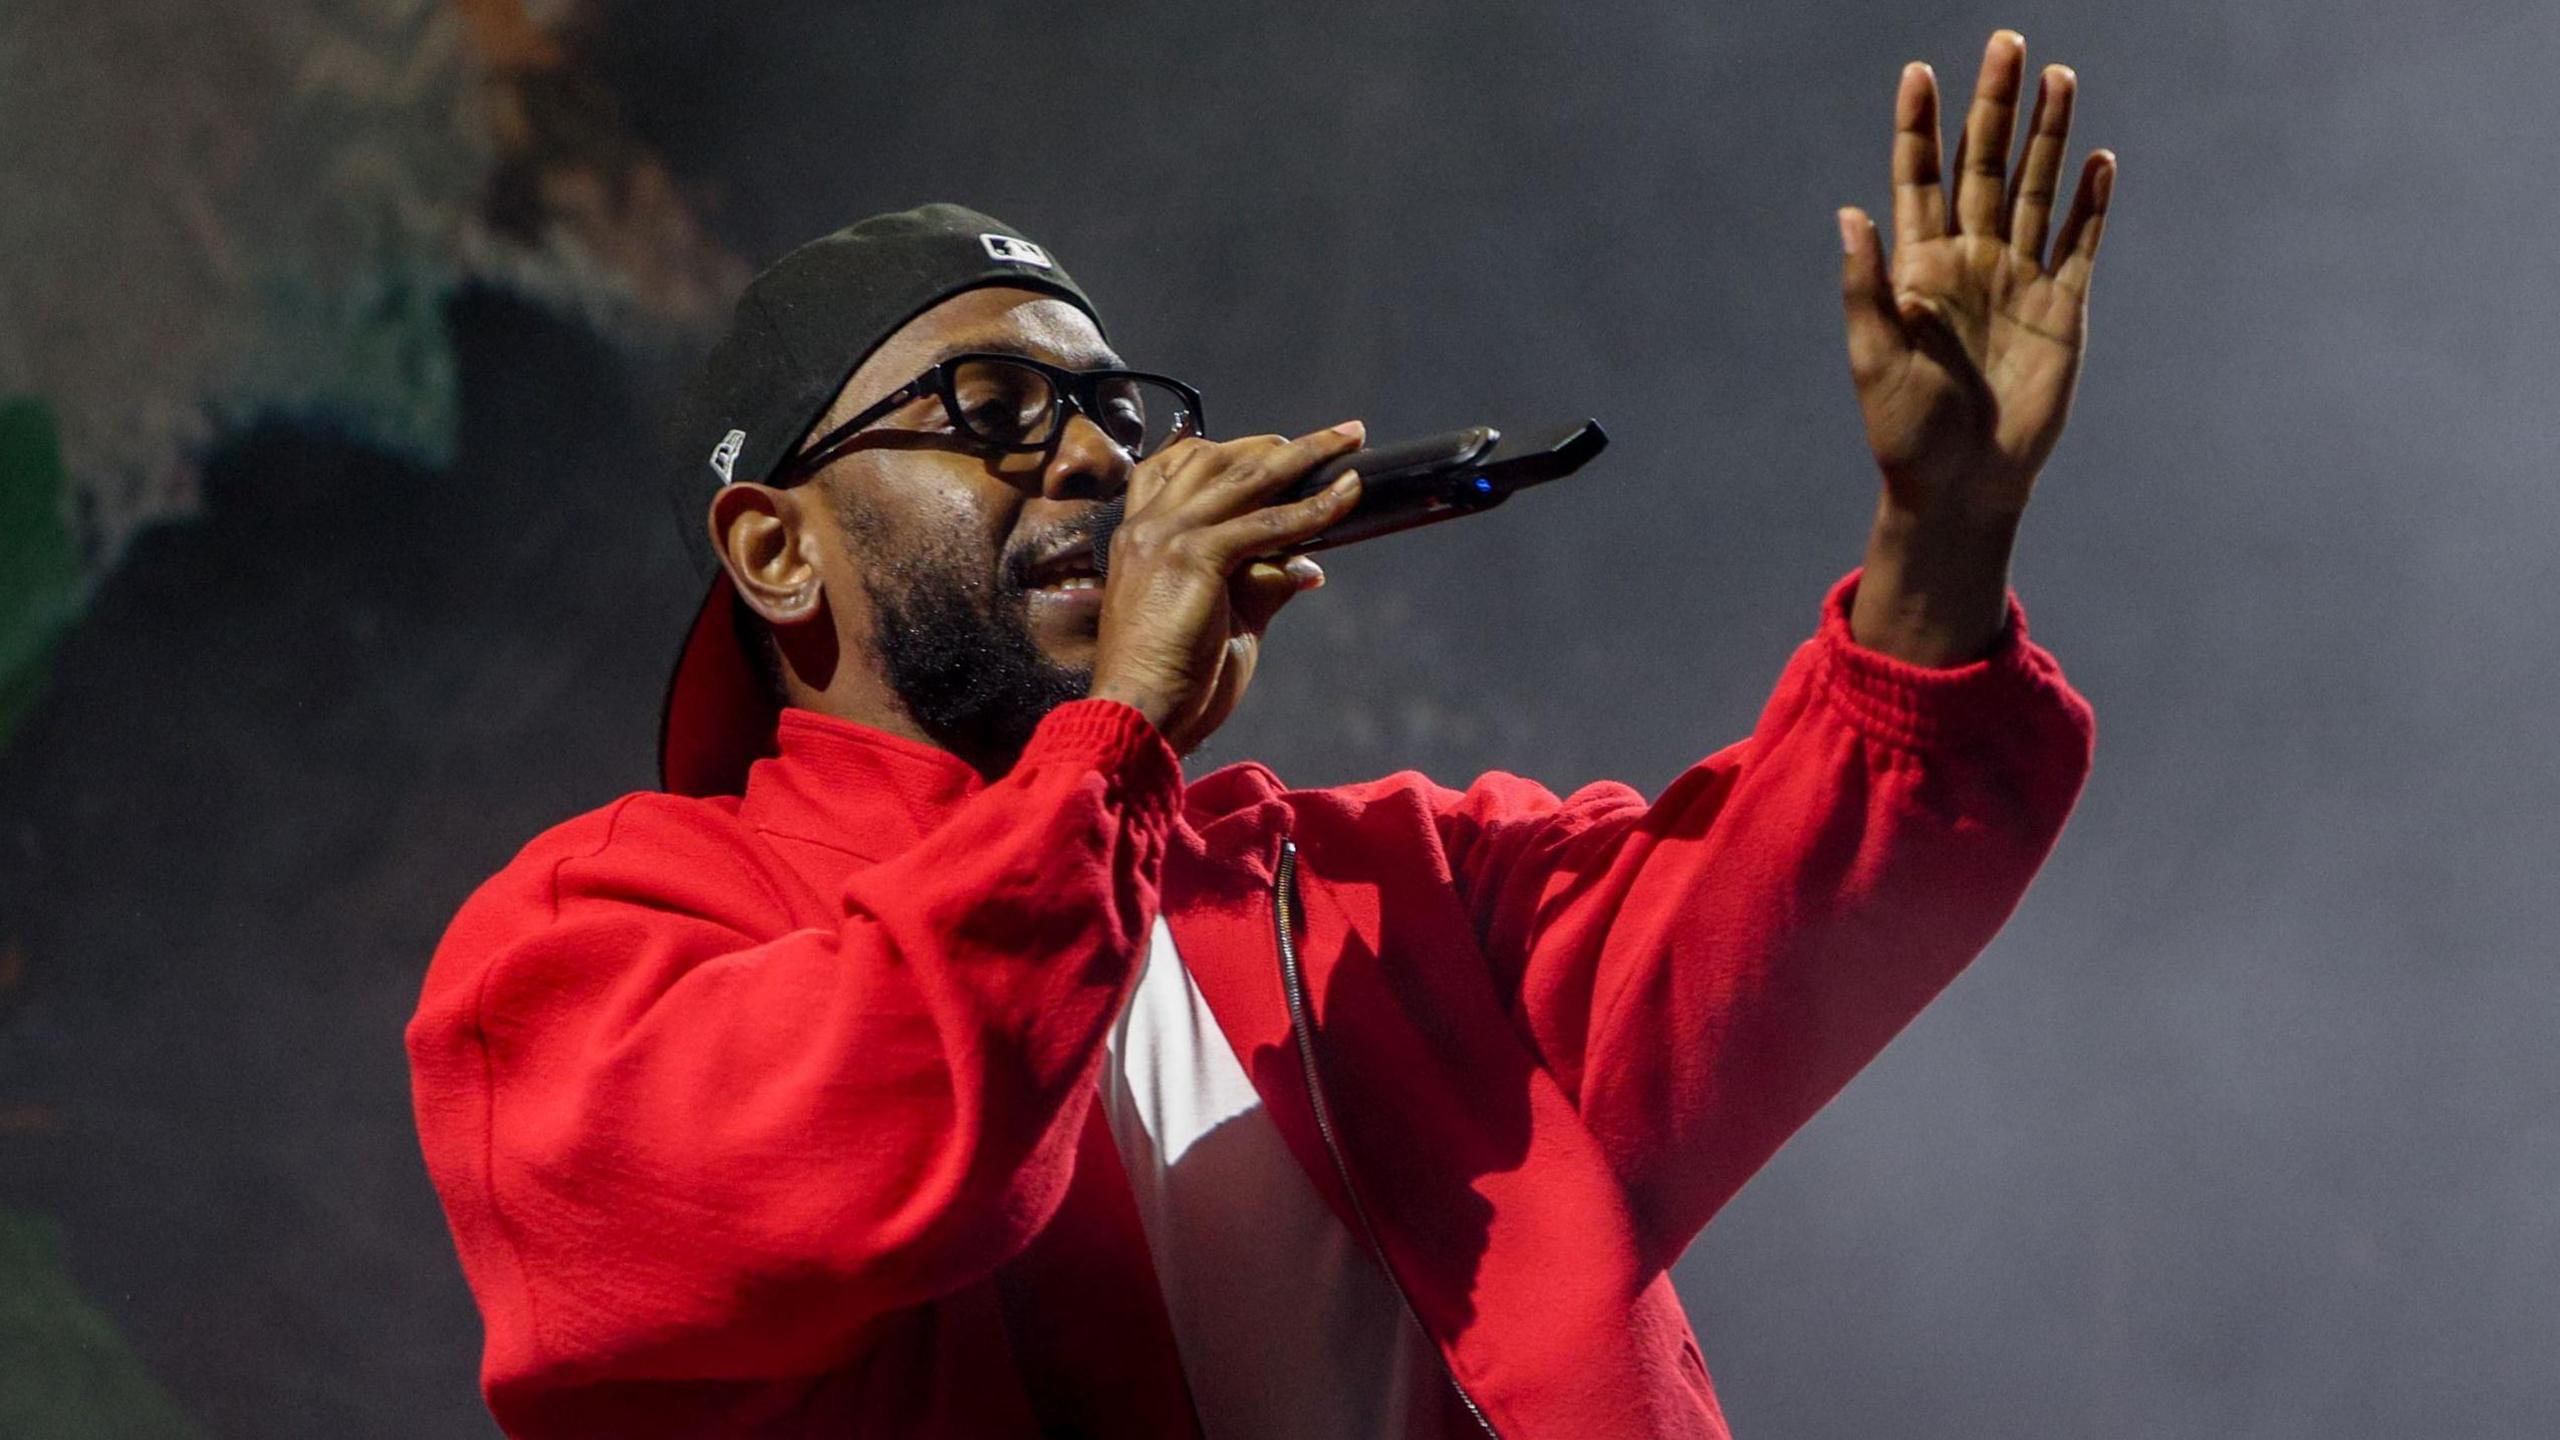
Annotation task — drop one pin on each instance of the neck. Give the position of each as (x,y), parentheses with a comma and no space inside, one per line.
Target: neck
(810,663)
(881,708)
(859,694)
(945,678)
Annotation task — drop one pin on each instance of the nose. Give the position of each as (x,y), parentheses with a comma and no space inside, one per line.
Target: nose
(1085,465)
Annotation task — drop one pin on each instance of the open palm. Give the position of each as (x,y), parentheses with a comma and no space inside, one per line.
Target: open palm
(1966,353)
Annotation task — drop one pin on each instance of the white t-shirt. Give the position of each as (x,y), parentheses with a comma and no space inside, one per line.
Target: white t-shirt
(1287,1328)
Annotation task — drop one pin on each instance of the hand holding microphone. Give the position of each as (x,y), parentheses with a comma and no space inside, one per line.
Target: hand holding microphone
(1202,549)
(1417,482)
(1191,586)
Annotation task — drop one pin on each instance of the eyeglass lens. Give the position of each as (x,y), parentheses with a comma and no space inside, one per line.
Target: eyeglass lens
(1004,403)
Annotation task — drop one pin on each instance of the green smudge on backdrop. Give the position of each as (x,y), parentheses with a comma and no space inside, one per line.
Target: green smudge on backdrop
(39,568)
(64,1373)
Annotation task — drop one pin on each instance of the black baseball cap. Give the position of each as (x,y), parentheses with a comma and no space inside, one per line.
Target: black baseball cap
(801,328)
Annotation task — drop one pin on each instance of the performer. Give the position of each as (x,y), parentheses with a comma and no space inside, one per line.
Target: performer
(931,1058)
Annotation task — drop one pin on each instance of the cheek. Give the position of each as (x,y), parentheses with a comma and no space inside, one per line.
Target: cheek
(957,521)
(912,523)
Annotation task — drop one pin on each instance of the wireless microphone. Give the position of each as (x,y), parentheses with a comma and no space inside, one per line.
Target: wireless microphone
(1416,482)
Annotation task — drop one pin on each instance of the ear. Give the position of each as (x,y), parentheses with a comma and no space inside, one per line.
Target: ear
(759,535)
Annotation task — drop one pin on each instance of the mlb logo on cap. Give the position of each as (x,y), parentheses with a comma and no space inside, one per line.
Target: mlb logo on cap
(1020,252)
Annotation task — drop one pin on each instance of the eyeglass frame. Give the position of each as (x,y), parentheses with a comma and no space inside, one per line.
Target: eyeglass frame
(1069,390)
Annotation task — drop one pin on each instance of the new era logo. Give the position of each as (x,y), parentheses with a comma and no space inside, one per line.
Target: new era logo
(1020,252)
(724,460)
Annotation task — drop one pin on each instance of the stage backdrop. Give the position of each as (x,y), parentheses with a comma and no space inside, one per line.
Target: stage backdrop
(334,335)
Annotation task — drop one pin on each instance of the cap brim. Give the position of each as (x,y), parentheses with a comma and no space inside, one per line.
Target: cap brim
(719,716)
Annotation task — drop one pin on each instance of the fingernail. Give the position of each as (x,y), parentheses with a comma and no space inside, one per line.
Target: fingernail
(1308,574)
(1343,483)
(1848,232)
(1352,428)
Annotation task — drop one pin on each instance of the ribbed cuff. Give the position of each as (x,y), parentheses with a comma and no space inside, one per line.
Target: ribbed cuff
(1919,707)
(1117,740)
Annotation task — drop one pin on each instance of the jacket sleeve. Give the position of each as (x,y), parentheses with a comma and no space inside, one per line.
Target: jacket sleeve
(1706,972)
(675,1141)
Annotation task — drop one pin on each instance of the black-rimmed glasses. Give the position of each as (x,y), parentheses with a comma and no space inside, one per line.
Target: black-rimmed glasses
(1011,404)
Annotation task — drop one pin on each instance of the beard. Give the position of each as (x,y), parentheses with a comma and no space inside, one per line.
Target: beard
(956,645)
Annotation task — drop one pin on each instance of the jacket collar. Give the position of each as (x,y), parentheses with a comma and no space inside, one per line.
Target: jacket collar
(873,795)
(853,788)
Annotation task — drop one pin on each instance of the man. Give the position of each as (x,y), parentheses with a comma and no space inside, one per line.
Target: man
(934,1060)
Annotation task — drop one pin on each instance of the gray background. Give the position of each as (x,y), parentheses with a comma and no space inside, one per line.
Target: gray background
(2248,1126)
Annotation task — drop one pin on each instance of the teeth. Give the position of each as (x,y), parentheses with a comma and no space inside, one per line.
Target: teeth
(1077,582)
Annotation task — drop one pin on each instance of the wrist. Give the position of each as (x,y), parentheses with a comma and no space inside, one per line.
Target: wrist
(1149,701)
(1935,589)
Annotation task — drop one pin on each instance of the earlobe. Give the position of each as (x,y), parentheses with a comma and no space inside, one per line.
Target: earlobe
(757,535)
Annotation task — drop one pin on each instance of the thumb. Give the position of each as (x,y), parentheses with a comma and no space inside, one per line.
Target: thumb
(1866,298)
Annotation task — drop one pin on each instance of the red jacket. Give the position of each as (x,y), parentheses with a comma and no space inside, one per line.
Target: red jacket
(774,1114)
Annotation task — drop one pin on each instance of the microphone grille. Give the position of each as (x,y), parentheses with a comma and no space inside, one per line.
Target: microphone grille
(1108,525)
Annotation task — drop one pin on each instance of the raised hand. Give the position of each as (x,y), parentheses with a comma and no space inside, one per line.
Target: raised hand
(1966,351)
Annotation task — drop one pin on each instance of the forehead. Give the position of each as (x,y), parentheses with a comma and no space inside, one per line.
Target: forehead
(994,317)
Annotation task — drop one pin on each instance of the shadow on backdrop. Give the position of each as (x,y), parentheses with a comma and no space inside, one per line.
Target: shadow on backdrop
(2248,1126)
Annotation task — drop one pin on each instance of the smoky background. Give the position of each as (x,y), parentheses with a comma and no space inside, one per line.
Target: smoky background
(2247,1126)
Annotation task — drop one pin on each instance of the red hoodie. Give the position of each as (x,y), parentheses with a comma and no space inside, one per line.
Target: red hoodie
(774,1114)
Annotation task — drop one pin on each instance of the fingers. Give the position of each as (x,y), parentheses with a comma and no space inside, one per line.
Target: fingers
(1236,662)
(1254,596)
(1166,468)
(1189,496)
(1172,640)
(1986,201)
(1270,530)
(1982,159)
(1282,463)
(2075,251)
(1213,481)
(1866,298)
(1919,196)
(2040,174)
(1259,590)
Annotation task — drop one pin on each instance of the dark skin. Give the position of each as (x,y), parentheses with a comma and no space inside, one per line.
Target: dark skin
(1178,633)
(1965,351)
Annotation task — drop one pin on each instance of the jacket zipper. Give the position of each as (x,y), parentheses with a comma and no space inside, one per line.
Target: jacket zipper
(1293,984)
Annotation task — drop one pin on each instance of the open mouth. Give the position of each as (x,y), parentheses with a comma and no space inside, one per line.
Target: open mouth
(1067,568)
